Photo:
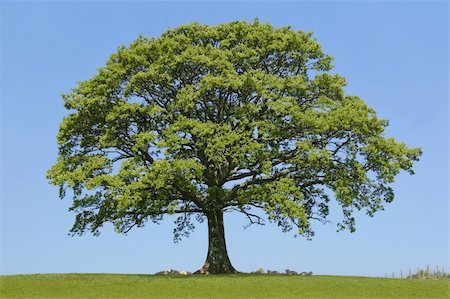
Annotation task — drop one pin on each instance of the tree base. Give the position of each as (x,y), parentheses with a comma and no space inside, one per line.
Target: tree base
(208,269)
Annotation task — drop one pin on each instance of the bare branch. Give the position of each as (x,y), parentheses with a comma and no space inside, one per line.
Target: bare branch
(253,218)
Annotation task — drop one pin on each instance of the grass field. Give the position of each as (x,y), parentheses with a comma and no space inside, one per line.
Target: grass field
(221,286)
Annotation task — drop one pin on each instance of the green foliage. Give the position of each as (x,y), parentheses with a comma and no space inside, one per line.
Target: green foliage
(230,117)
(219,286)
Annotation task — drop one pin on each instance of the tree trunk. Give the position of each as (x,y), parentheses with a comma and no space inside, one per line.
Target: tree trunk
(217,261)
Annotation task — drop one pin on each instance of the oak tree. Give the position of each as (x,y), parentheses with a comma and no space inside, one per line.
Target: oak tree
(238,117)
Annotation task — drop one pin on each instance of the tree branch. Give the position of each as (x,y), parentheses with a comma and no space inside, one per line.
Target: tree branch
(265,179)
(253,218)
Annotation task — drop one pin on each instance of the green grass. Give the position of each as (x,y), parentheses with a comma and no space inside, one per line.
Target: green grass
(220,286)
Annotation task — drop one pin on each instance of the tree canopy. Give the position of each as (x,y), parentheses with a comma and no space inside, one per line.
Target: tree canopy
(206,119)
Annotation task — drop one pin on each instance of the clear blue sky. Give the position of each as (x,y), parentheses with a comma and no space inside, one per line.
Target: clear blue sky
(393,54)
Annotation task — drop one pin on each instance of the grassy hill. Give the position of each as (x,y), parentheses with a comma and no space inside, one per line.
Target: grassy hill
(221,286)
